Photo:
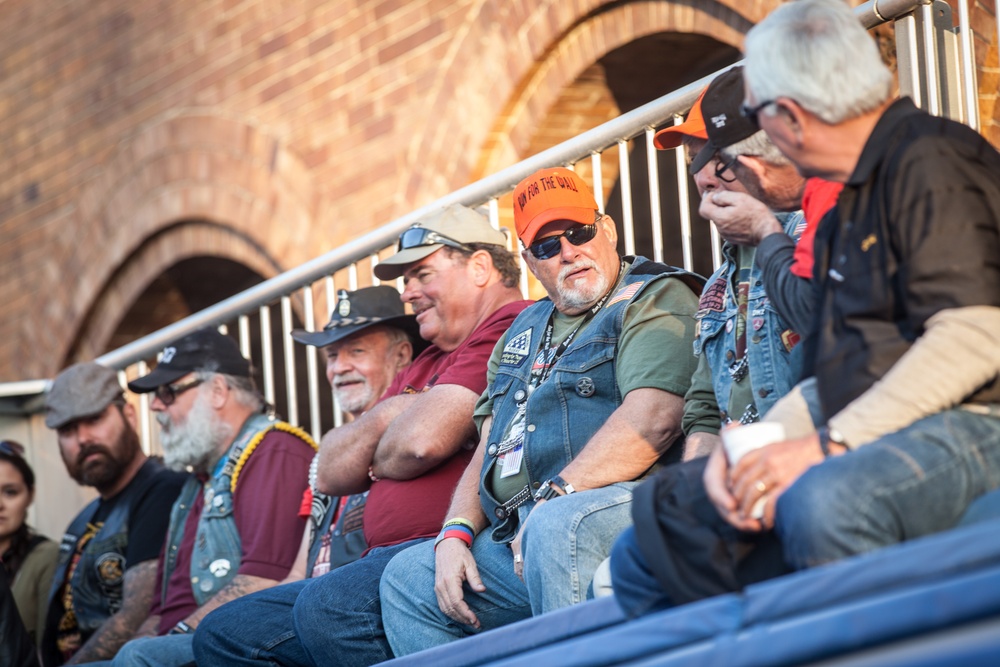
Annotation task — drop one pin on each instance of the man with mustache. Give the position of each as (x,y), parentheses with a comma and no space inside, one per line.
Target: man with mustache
(235,528)
(107,561)
(368,340)
(408,450)
(585,396)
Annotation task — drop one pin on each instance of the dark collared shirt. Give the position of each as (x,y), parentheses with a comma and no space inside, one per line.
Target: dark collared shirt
(917,231)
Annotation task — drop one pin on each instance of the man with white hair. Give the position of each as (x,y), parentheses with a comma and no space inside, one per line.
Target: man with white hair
(905,347)
(234,529)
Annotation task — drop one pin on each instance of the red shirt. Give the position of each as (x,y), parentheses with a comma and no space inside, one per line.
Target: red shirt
(265,507)
(817,199)
(398,511)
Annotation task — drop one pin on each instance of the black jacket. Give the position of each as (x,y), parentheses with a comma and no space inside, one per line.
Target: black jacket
(916,231)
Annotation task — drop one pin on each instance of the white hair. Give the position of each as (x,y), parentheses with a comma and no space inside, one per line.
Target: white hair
(757,145)
(817,53)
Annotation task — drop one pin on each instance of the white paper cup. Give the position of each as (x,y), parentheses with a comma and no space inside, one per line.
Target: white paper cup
(739,440)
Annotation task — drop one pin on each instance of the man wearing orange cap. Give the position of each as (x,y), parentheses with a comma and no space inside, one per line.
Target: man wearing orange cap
(585,396)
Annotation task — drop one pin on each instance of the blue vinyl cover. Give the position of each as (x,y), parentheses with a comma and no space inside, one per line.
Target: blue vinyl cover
(903,591)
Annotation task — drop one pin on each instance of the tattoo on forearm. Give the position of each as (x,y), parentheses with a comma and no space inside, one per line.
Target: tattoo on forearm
(140,582)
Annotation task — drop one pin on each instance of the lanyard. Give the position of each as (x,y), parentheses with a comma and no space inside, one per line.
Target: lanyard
(539,376)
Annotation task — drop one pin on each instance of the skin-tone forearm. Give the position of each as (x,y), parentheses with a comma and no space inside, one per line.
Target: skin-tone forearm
(635,435)
(431,430)
(137,595)
(240,585)
(700,444)
(346,452)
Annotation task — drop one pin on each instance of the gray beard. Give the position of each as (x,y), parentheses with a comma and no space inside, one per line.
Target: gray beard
(194,444)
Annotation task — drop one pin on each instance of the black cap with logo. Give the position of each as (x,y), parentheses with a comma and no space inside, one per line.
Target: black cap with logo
(205,348)
(724,123)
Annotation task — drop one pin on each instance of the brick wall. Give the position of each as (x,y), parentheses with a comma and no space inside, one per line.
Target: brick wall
(288,127)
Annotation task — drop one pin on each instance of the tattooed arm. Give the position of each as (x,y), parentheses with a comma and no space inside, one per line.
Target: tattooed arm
(241,584)
(137,595)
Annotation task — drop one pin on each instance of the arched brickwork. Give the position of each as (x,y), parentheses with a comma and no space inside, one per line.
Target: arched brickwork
(187,166)
(166,248)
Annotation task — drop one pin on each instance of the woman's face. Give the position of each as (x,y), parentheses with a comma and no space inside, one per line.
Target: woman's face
(14,500)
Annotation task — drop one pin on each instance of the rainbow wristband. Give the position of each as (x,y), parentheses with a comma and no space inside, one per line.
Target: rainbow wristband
(459,521)
(459,531)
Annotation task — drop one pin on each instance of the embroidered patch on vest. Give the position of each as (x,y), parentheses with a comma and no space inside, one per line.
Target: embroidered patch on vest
(790,339)
(517,349)
(624,294)
(111,568)
(713,299)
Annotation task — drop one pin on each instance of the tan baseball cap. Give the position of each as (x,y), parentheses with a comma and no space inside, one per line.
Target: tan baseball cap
(452,226)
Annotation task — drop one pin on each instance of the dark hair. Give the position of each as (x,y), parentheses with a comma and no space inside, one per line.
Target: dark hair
(503,260)
(21,542)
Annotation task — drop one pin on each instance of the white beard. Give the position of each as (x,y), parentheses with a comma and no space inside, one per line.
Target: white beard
(195,443)
(581,298)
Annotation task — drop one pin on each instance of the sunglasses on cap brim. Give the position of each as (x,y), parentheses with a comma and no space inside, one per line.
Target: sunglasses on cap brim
(417,237)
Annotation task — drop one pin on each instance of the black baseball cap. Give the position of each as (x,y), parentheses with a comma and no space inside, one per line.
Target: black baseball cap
(356,311)
(724,123)
(205,348)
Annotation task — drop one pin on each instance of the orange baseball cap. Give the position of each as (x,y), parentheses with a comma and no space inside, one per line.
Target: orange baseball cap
(693,126)
(551,194)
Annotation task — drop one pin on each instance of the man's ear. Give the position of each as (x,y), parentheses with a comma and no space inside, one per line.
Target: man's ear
(403,354)
(609,228)
(218,392)
(128,411)
(755,165)
(480,268)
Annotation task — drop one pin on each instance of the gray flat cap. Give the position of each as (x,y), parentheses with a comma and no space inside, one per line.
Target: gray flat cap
(82,390)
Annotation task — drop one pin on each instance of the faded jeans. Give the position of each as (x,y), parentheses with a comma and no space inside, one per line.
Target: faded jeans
(334,619)
(563,543)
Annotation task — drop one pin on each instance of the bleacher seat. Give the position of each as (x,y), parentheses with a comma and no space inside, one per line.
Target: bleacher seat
(880,606)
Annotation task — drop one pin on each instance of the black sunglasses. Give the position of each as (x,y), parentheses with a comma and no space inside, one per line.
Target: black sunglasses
(550,246)
(168,393)
(723,167)
(416,237)
(12,448)
(750,113)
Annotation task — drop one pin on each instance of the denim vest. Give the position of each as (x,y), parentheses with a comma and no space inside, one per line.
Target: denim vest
(345,546)
(217,548)
(99,575)
(572,404)
(773,355)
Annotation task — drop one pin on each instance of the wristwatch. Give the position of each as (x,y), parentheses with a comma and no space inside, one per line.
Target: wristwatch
(829,435)
(556,486)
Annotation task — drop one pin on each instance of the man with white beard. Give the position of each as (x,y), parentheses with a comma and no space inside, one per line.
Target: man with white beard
(235,528)
(367,341)
(585,396)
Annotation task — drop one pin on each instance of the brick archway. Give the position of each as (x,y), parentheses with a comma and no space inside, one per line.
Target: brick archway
(189,166)
(175,243)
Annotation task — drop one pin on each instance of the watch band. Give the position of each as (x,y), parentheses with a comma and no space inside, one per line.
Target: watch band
(552,487)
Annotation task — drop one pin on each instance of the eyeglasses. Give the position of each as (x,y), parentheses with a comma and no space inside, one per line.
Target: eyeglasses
(416,237)
(750,113)
(723,167)
(168,393)
(551,245)
(12,448)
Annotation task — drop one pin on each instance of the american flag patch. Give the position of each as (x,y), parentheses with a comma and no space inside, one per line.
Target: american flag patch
(625,293)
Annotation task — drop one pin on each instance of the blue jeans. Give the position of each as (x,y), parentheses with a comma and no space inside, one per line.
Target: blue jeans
(636,588)
(333,619)
(563,543)
(165,651)
(917,481)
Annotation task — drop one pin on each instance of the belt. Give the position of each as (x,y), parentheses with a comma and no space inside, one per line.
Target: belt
(504,510)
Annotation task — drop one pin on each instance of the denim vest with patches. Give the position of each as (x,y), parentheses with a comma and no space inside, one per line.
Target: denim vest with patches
(217,550)
(772,351)
(97,582)
(580,393)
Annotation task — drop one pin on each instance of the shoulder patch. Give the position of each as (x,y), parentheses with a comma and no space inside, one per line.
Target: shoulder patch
(624,294)
(517,349)
(713,299)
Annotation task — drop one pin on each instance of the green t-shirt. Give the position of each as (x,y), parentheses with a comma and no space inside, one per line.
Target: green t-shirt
(654,351)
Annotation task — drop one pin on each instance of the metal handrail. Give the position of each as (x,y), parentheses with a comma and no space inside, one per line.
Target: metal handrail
(617,131)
